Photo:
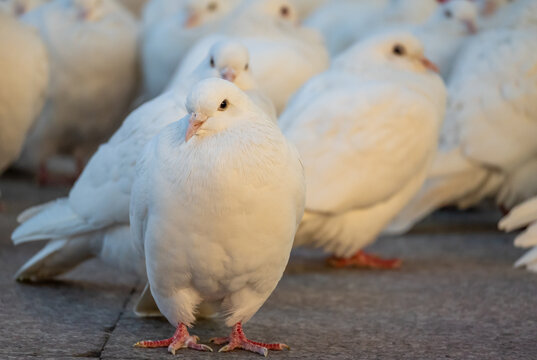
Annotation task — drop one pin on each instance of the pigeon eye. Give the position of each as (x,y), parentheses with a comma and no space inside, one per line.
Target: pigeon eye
(223,106)
(246,66)
(284,11)
(212,6)
(212,62)
(399,50)
(448,14)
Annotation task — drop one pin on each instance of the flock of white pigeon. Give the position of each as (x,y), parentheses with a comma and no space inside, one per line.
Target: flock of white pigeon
(209,137)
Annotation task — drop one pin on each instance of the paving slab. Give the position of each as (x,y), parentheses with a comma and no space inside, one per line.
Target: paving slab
(456,296)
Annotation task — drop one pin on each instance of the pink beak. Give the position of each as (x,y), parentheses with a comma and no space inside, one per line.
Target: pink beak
(430,65)
(192,21)
(194,123)
(470,26)
(228,74)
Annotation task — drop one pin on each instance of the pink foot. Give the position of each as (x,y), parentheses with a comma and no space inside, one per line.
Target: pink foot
(181,339)
(364,260)
(237,340)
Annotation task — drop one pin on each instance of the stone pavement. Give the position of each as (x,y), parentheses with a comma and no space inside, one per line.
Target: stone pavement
(456,297)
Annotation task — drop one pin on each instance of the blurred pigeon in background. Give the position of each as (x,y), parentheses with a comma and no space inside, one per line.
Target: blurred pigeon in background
(380,105)
(87,95)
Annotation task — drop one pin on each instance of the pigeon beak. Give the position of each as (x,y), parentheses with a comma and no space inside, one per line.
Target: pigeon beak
(470,26)
(228,74)
(430,65)
(194,123)
(192,21)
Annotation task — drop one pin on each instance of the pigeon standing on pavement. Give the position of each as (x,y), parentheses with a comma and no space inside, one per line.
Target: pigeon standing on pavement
(23,83)
(367,132)
(221,187)
(88,95)
(93,221)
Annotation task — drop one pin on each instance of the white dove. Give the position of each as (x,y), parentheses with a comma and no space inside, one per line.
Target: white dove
(222,187)
(94,219)
(277,45)
(445,33)
(367,132)
(521,216)
(88,95)
(228,55)
(19,7)
(23,82)
(166,42)
(487,145)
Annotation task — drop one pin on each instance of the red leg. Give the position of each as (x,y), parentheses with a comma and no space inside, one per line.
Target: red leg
(237,340)
(364,260)
(181,339)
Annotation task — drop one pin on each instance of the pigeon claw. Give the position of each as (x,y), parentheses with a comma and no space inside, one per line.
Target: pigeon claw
(237,340)
(364,261)
(181,339)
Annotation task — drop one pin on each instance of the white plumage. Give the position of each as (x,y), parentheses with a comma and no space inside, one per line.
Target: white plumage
(377,108)
(23,82)
(284,55)
(216,214)
(488,140)
(98,205)
(446,31)
(167,41)
(88,95)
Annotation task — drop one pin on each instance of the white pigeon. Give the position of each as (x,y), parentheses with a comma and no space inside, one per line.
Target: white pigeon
(166,42)
(19,7)
(23,82)
(221,187)
(367,132)
(521,216)
(227,55)
(94,219)
(285,55)
(88,95)
(446,32)
(487,145)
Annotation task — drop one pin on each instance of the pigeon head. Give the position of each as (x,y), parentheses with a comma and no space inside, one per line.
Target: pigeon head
(231,60)
(200,12)
(400,50)
(457,16)
(214,105)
